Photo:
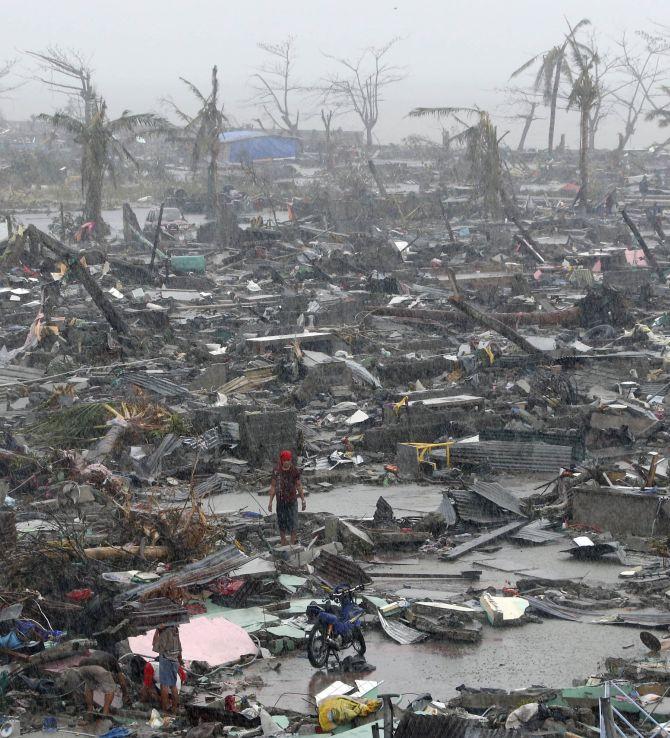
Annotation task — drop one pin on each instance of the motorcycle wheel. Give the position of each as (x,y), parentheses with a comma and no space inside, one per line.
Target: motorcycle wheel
(358,641)
(317,646)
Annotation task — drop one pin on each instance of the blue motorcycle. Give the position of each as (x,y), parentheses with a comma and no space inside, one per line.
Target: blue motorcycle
(337,626)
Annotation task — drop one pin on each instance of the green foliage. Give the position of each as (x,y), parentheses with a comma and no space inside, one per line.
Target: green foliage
(102,147)
(482,153)
(71,427)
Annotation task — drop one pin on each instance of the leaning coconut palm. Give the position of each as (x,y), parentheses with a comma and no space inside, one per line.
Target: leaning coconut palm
(583,96)
(552,67)
(204,131)
(482,151)
(101,148)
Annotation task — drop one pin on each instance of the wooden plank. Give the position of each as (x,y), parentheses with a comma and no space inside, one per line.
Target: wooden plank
(483,539)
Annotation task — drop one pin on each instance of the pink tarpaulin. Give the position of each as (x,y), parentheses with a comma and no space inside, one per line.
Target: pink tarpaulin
(635,257)
(214,640)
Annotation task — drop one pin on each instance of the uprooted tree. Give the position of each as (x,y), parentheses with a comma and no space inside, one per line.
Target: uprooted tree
(203,132)
(359,88)
(275,86)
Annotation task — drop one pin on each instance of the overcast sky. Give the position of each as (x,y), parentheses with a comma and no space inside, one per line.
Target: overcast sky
(454,52)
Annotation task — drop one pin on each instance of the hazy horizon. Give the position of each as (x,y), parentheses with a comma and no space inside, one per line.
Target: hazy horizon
(458,53)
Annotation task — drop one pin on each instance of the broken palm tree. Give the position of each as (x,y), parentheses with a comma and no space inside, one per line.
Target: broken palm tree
(482,152)
(80,425)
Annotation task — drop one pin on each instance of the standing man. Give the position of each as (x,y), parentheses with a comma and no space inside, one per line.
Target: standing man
(167,645)
(286,486)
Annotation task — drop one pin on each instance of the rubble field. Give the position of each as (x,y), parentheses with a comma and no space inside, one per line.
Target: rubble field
(475,400)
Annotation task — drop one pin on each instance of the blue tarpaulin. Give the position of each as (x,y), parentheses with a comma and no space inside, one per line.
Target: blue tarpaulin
(241,146)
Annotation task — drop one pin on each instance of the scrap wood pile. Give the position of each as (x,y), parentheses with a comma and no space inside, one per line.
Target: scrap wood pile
(513,369)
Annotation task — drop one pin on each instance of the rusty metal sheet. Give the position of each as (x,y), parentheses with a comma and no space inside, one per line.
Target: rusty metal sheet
(653,619)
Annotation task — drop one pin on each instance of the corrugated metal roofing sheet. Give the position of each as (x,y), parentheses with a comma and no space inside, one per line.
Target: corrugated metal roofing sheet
(603,617)
(204,571)
(403,634)
(474,509)
(335,570)
(157,384)
(537,532)
(12,375)
(509,456)
(448,726)
(498,495)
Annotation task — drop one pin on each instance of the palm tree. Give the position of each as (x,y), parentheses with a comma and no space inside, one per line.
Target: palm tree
(481,150)
(584,95)
(204,132)
(101,147)
(552,66)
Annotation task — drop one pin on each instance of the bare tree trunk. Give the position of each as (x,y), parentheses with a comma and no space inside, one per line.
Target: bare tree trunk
(554,103)
(624,137)
(592,136)
(368,136)
(327,119)
(93,181)
(584,157)
(526,127)
(648,253)
(212,171)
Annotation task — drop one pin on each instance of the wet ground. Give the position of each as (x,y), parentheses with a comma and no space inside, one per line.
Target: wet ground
(114,218)
(551,653)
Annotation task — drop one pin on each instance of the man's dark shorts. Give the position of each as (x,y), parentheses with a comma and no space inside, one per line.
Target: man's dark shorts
(287,516)
(168,671)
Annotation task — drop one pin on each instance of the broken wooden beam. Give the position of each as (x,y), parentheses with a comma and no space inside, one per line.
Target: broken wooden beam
(488,321)
(104,553)
(512,214)
(492,535)
(530,250)
(567,317)
(73,261)
(494,324)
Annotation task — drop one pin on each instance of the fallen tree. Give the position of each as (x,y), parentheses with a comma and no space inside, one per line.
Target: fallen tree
(73,261)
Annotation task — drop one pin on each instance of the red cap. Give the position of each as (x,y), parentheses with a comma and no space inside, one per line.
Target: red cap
(285,456)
